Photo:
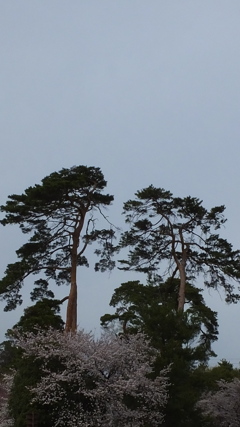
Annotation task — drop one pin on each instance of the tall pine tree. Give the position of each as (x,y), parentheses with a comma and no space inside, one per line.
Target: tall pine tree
(59,215)
(179,235)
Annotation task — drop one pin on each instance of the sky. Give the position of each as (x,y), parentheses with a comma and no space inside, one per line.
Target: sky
(149,91)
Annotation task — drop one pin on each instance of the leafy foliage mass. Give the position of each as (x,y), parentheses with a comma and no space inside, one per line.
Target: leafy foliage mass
(153,310)
(19,373)
(184,339)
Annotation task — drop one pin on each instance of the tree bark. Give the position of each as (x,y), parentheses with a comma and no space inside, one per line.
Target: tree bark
(182,287)
(182,272)
(71,317)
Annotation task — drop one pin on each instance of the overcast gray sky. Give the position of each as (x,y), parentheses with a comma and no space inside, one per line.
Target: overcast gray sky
(147,90)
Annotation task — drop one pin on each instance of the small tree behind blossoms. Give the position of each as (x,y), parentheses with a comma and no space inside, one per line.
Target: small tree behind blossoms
(223,405)
(104,382)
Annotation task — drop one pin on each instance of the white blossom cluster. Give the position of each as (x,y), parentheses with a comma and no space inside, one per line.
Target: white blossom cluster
(5,417)
(223,405)
(93,383)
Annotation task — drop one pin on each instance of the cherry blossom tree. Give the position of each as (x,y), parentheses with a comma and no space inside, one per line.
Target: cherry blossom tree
(223,405)
(5,387)
(104,382)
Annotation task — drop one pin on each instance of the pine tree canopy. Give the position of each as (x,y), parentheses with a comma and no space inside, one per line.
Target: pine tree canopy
(179,236)
(60,216)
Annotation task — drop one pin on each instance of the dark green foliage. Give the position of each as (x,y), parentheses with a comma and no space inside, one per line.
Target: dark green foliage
(184,338)
(28,374)
(182,233)
(41,290)
(179,238)
(153,310)
(207,377)
(43,314)
(54,214)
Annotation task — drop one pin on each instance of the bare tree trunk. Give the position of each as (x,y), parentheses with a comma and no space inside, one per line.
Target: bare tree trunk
(182,287)
(182,272)
(71,317)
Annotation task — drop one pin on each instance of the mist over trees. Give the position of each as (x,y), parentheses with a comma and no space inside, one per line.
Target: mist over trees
(150,365)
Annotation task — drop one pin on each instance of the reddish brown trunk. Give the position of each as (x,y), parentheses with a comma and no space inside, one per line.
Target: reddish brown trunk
(182,288)
(71,318)
(182,272)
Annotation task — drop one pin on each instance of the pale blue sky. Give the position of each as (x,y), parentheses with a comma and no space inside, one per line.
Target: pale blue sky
(147,90)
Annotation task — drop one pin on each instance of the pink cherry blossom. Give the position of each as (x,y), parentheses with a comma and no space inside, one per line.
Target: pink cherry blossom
(103,382)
